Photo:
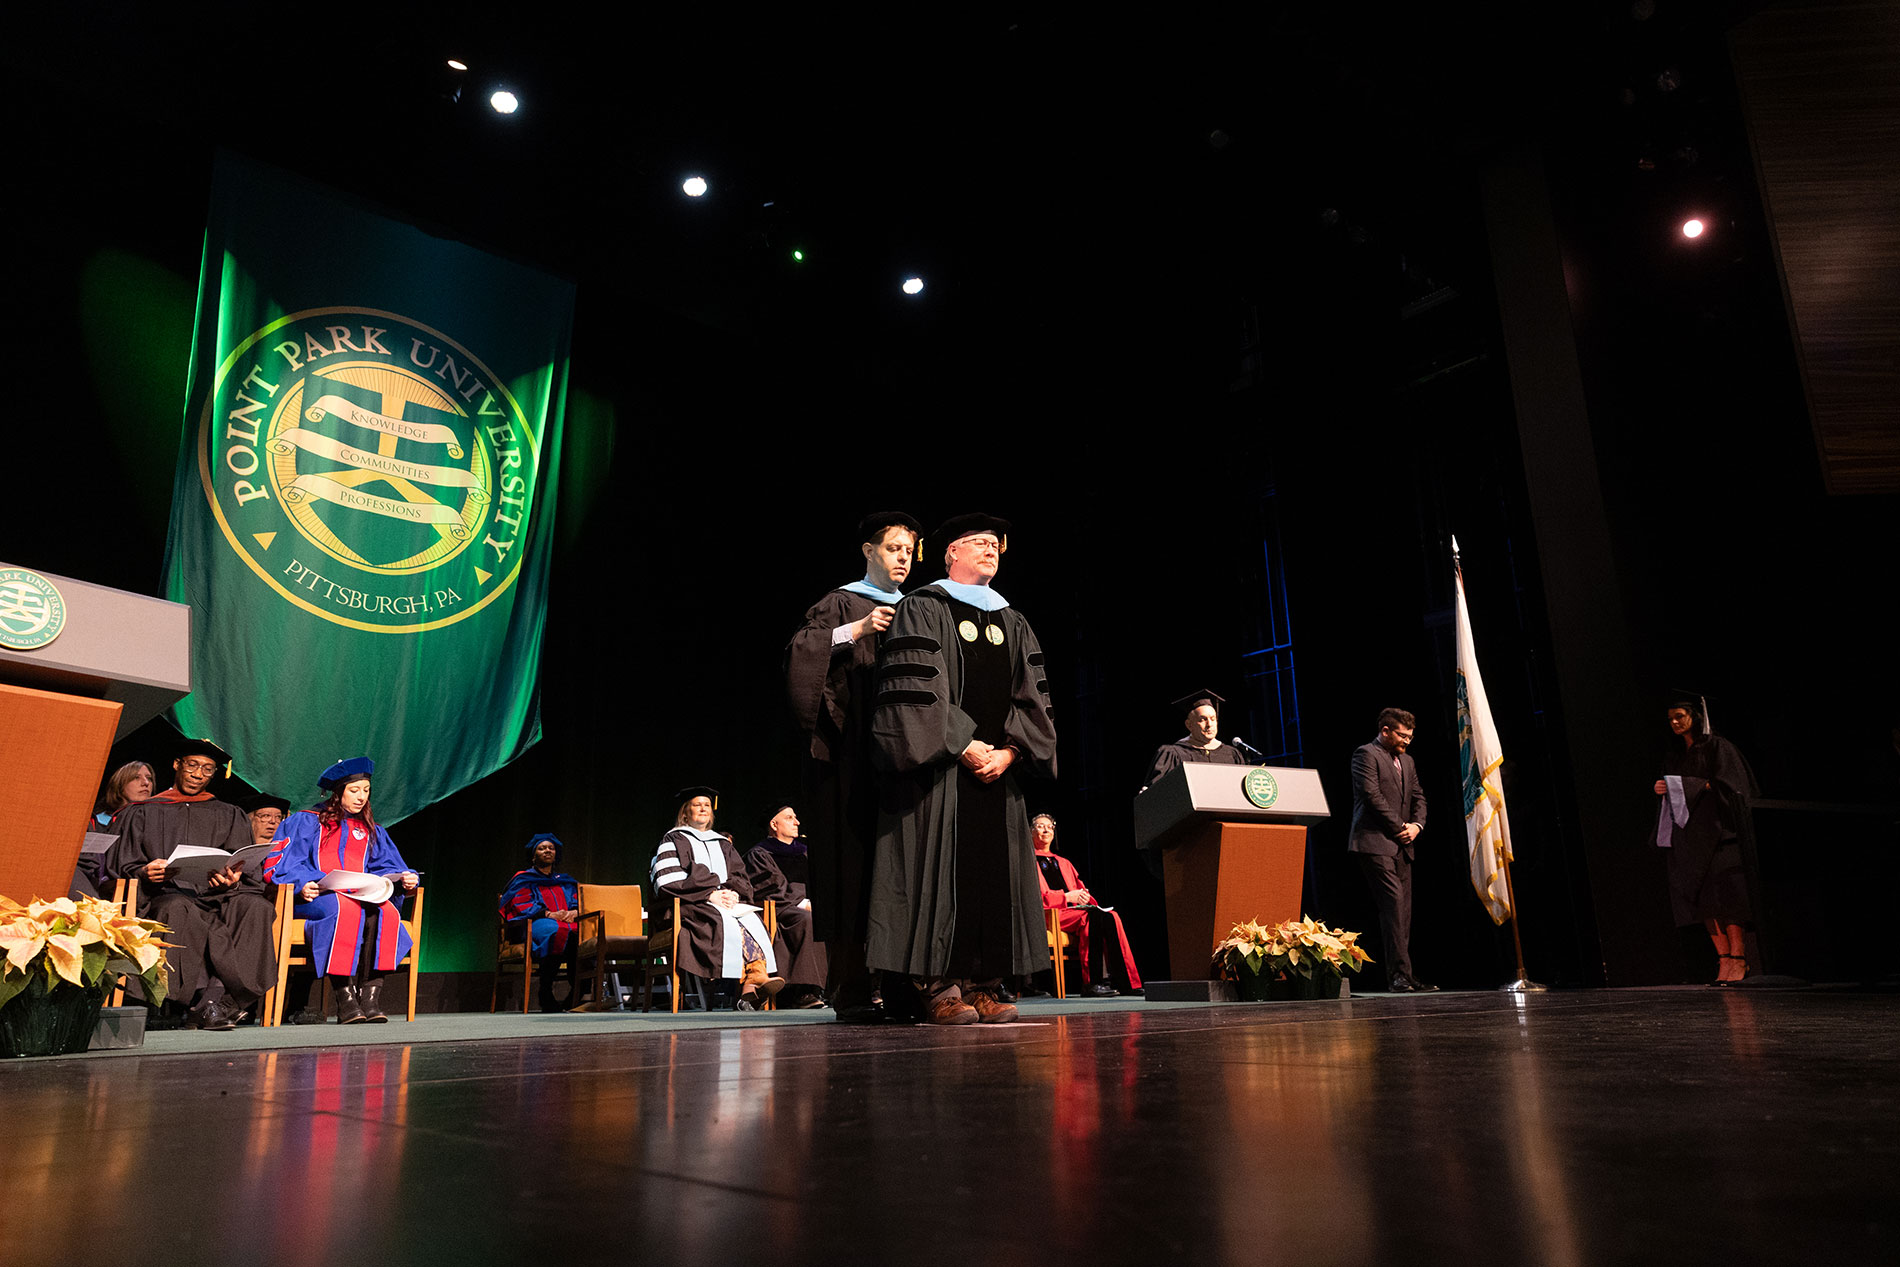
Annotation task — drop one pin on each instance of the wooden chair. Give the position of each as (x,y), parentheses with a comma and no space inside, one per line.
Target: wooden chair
(618,922)
(125,896)
(666,937)
(520,955)
(513,954)
(290,937)
(771,931)
(668,934)
(1058,943)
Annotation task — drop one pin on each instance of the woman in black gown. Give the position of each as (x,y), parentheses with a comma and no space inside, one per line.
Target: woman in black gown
(1704,795)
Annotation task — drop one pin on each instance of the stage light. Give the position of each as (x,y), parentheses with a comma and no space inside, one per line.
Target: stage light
(913,285)
(505,102)
(455,65)
(695,186)
(1692,228)
(798,257)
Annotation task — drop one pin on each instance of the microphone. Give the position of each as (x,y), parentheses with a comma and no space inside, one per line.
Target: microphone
(1247,748)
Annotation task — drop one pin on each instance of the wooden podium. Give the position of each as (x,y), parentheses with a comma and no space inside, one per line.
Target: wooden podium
(114,662)
(1227,857)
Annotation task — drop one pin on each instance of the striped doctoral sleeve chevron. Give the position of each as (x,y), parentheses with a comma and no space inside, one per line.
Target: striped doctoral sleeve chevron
(668,867)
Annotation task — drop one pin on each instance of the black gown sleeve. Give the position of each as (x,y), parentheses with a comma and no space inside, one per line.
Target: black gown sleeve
(768,880)
(1030,727)
(809,658)
(1167,761)
(915,725)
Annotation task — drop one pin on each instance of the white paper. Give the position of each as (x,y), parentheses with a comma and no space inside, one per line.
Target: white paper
(373,889)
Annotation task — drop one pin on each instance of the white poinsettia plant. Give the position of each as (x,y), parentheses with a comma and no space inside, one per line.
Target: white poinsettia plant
(1302,946)
(77,940)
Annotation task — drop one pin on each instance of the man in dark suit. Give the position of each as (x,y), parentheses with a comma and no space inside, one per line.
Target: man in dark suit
(1388,813)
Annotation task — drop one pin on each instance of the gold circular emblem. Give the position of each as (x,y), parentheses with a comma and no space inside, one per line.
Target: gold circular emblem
(994,633)
(967,630)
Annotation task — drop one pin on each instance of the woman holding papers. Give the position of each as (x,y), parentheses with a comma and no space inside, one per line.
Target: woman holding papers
(721,934)
(346,872)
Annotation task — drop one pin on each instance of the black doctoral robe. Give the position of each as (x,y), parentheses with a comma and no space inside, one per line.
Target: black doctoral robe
(222,933)
(923,904)
(780,877)
(1706,880)
(691,864)
(1170,757)
(830,690)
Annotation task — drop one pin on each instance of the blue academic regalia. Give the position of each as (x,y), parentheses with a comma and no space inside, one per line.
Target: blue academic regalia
(528,898)
(303,852)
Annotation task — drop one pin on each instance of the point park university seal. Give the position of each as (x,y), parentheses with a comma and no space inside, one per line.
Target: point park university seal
(370,469)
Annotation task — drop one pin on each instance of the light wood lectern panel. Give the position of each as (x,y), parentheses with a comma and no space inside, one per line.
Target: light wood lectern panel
(57,745)
(1221,874)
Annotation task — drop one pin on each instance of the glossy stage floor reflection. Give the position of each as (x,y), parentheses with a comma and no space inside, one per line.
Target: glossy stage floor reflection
(1634,1126)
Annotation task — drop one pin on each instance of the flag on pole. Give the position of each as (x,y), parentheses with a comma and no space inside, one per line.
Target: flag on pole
(1487,828)
(363,508)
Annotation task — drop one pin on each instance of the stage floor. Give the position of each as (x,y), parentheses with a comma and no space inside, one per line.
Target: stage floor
(1591,1127)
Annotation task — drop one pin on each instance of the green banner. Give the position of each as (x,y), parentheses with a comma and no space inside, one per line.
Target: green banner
(364,502)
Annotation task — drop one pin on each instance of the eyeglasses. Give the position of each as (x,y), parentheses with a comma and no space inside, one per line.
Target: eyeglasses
(982,543)
(199,767)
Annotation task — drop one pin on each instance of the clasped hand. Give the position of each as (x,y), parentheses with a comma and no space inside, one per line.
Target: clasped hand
(1408,833)
(985,762)
(724,899)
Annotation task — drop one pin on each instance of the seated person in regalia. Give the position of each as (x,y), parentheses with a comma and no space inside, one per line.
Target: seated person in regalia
(353,941)
(721,934)
(540,906)
(1098,935)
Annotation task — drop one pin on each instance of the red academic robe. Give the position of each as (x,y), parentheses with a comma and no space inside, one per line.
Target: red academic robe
(1075,919)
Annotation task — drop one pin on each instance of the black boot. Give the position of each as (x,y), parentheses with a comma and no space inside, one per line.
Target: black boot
(349,1008)
(371,998)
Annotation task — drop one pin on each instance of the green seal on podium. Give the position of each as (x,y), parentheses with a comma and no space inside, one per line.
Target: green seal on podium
(1261,788)
(32,612)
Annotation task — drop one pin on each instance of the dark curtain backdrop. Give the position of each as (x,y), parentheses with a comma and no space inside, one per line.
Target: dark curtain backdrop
(1126,400)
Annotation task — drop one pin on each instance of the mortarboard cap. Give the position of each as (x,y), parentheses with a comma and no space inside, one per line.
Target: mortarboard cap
(263,800)
(1194,699)
(202,748)
(1694,701)
(538,837)
(686,794)
(778,807)
(345,770)
(872,526)
(957,527)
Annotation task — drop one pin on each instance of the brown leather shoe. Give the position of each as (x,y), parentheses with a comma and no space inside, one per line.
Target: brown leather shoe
(948,1009)
(989,1009)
